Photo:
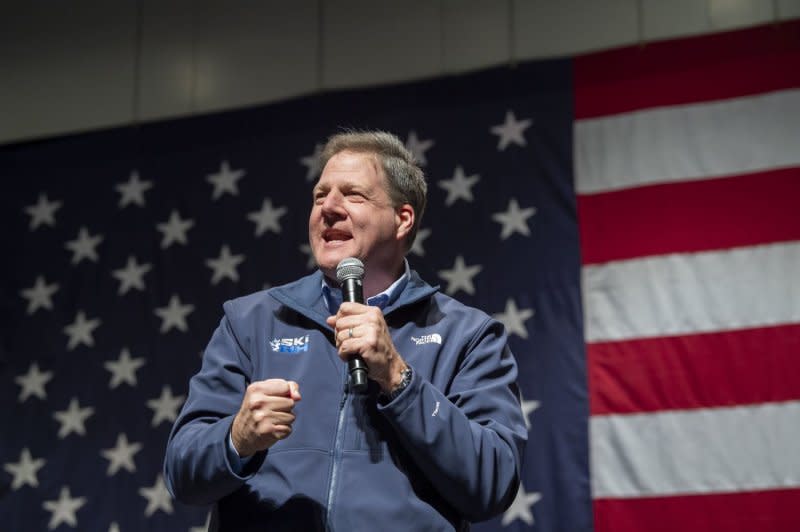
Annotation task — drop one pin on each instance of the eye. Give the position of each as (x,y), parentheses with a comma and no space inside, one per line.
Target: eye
(356,196)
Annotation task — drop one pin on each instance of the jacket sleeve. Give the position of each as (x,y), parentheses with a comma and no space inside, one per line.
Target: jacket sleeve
(469,442)
(196,467)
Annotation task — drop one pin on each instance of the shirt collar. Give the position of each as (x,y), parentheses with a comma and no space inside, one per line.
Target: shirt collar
(333,296)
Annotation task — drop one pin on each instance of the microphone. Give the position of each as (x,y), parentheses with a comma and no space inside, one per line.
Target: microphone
(350,273)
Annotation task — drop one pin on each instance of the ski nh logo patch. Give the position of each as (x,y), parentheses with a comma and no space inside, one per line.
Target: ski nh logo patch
(290,345)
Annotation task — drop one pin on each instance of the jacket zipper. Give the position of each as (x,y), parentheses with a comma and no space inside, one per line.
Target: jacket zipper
(337,454)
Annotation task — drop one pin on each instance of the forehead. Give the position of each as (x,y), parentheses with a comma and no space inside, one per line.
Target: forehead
(354,167)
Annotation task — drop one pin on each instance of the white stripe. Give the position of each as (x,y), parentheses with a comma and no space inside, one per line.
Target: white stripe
(691,293)
(699,451)
(688,142)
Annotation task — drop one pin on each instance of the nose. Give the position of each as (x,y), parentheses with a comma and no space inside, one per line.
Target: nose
(333,205)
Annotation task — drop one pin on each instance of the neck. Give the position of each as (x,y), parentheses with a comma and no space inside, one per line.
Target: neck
(377,281)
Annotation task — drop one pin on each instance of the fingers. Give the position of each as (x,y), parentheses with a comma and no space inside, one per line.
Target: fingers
(347,309)
(358,330)
(274,394)
(354,320)
(274,387)
(348,333)
(354,313)
(355,340)
(275,417)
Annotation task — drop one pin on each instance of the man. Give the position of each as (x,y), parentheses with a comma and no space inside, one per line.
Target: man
(273,434)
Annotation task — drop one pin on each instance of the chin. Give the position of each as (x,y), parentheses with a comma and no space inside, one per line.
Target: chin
(329,259)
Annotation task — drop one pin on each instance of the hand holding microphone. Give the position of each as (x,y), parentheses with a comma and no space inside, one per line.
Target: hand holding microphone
(350,273)
(362,335)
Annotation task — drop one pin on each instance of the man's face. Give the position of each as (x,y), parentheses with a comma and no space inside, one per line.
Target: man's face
(353,216)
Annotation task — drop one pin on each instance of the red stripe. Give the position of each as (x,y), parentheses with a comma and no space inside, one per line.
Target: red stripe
(711,67)
(703,370)
(761,511)
(691,216)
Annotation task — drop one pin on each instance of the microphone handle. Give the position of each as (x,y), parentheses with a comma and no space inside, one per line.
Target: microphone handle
(352,292)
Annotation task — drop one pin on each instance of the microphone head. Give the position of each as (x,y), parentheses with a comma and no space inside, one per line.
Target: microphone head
(350,268)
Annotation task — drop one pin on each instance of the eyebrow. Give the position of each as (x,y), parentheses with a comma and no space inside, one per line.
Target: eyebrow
(346,187)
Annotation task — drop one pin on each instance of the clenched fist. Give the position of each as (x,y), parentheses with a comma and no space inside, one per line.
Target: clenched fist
(266,415)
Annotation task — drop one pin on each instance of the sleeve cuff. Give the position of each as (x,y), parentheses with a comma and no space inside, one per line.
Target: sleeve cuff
(237,462)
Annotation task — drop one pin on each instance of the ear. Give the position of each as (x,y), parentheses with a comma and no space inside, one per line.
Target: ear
(404,220)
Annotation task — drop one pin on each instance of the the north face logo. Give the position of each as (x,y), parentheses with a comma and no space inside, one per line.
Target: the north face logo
(290,345)
(434,338)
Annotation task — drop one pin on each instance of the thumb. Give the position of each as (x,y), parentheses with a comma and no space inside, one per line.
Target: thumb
(294,390)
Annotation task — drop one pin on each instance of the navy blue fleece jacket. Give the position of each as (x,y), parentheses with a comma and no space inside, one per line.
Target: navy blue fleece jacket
(445,452)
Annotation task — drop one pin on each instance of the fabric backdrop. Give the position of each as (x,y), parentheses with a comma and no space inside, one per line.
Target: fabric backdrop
(631,216)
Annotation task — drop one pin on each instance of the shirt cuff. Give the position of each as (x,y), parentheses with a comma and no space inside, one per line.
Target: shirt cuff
(237,462)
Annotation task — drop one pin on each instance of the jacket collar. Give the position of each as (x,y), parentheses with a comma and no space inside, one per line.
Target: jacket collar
(305,296)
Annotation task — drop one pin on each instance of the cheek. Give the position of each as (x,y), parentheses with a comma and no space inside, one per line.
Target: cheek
(313,224)
(366,223)
(314,216)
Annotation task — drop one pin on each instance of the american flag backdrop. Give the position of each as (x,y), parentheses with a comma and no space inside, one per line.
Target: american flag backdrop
(687,171)
(632,216)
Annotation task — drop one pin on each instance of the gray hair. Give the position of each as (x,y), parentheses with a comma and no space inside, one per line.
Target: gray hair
(405,179)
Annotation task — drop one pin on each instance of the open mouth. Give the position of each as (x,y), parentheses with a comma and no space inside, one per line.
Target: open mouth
(336,235)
